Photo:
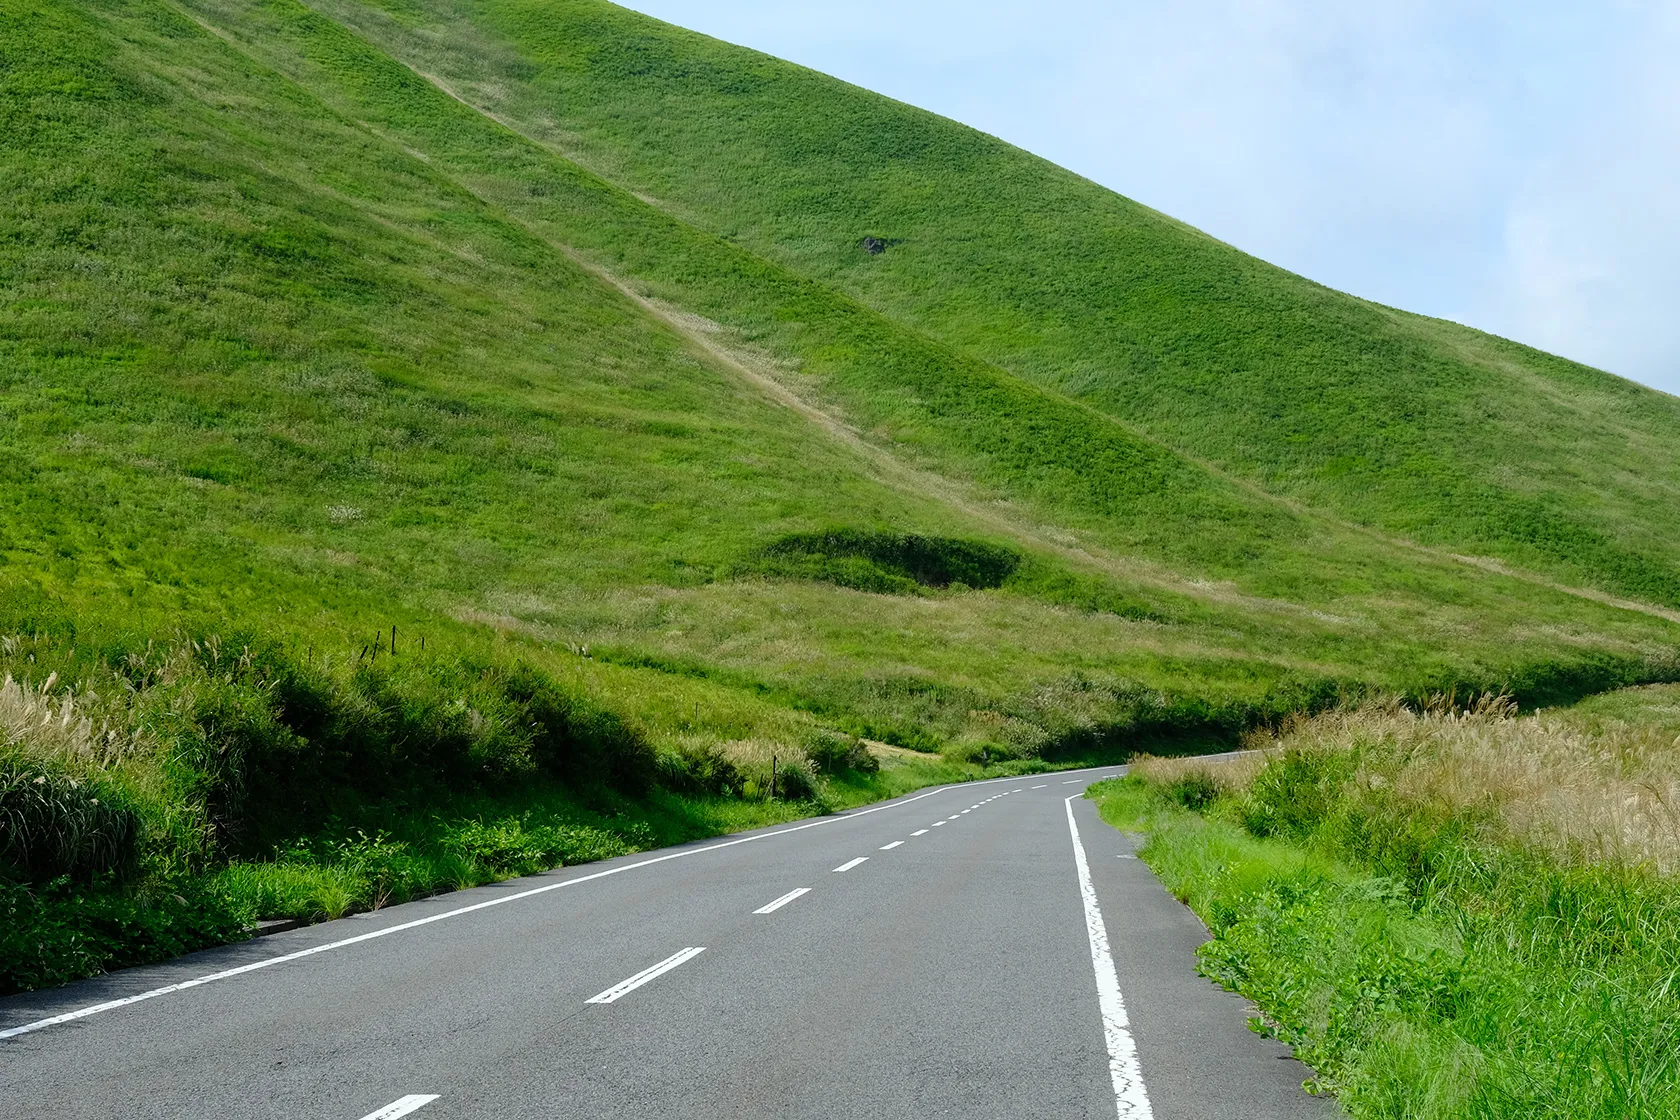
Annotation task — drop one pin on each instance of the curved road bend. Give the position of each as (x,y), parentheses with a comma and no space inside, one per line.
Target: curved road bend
(941,955)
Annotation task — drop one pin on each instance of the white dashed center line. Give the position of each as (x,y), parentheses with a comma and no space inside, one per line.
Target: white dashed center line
(847,866)
(402,1106)
(772,907)
(624,987)
(890,847)
(936,824)
(1075,782)
(919,832)
(1041,787)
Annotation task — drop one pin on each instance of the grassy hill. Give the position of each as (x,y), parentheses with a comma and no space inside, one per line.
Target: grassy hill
(1416,427)
(542,334)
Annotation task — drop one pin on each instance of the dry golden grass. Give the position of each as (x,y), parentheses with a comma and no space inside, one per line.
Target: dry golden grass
(1229,775)
(1605,790)
(39,721)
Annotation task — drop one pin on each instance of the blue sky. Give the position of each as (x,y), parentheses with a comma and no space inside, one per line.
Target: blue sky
(1514,166)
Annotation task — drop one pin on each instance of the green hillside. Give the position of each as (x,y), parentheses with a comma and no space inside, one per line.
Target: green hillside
(1417,427)
(580,376)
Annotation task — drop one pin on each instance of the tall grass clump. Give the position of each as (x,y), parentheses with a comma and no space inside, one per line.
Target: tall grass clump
(56,820)
(1448,912)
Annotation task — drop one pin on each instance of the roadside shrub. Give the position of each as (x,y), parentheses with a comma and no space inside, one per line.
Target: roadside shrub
(1196,790)
(794,782)
(575,739)
(834,753)
(1295,792)
(61,931)
(222,741)
(257,745)
(985,753)
(700,769)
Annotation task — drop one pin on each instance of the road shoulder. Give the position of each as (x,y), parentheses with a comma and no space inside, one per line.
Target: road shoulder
(1197,1052)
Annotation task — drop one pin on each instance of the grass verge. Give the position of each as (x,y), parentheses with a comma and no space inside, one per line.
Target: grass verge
(1434,939)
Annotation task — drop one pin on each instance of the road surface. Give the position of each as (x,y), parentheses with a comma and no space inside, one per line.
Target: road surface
(982,950)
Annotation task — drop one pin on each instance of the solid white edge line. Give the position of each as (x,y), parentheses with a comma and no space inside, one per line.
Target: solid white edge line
(890,847)
(849,864)
(225,974)
(629,984)
(402,1106)
(772,907)
(1131,1100)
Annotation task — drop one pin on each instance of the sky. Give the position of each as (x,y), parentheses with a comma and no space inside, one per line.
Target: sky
(1511,165)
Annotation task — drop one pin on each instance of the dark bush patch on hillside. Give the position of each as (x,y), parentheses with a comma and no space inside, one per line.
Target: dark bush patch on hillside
(702,770)
(1571,677)
(1078,716)
(893,563)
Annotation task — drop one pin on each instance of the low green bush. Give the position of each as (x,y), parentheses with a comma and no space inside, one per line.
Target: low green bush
(1195,791)
(58,931)
(1294,794)
(834,753)
(703,770)
(793,782)
(257,744)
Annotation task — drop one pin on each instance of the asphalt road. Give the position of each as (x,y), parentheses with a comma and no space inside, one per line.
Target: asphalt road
(936,956)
